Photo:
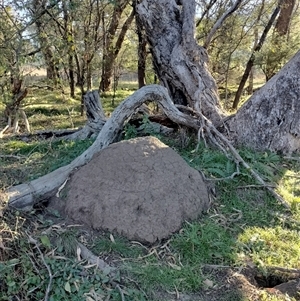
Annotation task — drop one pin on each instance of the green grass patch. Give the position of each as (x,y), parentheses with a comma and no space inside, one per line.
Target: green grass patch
(156,275)
(204,242)
(36,158)
(276,246)
(117,245)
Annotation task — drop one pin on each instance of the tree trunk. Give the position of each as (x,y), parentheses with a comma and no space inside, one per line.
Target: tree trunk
(112,50)
(270,119)
(41,22)
(251,60)
(179,62)
(279,39)
(284,19)
(71,75)
(142,51)
(13,109)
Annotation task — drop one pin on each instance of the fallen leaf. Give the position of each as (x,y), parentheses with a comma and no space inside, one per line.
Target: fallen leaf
(112,238)
(208,283)
(68,287)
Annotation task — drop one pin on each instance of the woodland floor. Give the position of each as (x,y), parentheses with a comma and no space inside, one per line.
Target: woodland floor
(246,247)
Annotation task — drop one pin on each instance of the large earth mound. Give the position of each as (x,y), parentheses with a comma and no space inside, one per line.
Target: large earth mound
(140,188)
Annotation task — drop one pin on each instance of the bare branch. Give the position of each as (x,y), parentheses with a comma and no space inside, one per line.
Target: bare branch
(219,22)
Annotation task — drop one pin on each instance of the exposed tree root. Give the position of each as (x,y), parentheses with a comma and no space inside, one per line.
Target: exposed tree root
(24,196)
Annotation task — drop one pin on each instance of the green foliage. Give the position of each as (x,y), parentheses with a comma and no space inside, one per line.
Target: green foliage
(243,225)
(204,242)
(28,277)
(130,131)
(36,158)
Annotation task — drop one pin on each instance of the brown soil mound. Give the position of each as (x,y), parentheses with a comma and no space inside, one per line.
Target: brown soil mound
(140,188)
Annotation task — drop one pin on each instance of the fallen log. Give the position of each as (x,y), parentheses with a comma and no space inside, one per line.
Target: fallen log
(25,196)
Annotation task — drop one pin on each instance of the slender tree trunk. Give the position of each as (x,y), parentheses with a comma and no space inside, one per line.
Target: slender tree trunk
(284,19)
(219,22)
(142,51)
(112,50)
(279,39)
(71,76)
(251,60)
(46,49)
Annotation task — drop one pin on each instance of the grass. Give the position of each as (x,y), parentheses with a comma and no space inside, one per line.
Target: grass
(245,224)
(34,159)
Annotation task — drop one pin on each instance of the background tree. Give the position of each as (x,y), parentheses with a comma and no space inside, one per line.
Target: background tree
(43,23)
(142,50)
(251,60)
(14,47)
(113,40)
(280,41)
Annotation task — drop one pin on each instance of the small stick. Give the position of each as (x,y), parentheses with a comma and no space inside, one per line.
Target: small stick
(51,276)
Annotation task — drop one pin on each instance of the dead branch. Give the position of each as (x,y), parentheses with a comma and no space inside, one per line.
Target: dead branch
(85,253)
(223,143)
(220,21)
(285,270)
(24,196)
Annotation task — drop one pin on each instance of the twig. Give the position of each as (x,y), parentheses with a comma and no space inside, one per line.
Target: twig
(292,158)
(121,292)
(221,141)
(85,253)
(245,164)
(215,266)
(51,276)
(13,157)
(256,186)
(286,270)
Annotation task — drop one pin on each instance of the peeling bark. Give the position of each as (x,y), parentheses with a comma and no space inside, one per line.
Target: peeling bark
(180,63)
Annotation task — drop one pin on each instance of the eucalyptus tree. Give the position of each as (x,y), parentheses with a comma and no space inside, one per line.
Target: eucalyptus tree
(182,67)
(228,45)
(256,49)
(15,49)
(269,120)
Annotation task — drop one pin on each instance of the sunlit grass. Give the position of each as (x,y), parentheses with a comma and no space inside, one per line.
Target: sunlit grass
(268,247)
(289,188)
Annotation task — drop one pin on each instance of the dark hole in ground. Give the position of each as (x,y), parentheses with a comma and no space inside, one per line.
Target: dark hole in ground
(268,281)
